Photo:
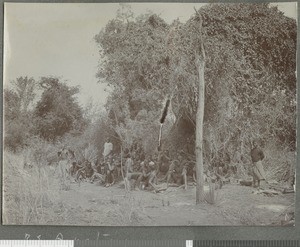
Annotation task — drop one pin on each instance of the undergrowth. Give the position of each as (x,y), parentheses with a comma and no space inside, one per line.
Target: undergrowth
(30,192)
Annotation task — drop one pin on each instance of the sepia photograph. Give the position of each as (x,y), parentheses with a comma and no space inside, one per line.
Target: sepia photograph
(149,114)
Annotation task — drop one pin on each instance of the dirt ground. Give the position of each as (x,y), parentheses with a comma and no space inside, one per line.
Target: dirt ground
(36,197)
(93,204)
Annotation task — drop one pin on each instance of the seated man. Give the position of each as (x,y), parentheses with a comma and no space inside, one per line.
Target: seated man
(86,172)
(163,164)
(177,172)
(191,169)
(99,167)
(144,176)
(99,173)
(74,168)
(214,175)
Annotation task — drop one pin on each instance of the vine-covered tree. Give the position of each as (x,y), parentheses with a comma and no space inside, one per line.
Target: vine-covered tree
(251,73)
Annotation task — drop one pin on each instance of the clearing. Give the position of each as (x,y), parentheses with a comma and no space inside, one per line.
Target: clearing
(92,204)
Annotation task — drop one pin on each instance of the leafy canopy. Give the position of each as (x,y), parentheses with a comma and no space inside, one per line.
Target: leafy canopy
(250,69)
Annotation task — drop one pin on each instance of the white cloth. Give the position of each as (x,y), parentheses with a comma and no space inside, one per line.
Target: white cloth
(151,163)
(108,147)
(259,171)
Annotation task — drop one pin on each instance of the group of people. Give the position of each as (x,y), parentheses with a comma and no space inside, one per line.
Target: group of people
(133,166)
(145,172)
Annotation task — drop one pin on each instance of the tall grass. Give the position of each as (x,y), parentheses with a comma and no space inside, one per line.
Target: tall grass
(30,192)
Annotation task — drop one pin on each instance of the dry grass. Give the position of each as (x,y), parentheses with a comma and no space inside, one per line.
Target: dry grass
(279,164)
(127,210)
(32,196)
(31,193)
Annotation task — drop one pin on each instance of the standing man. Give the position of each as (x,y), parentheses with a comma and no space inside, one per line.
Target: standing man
(257,156)
(107,151)
(110,167)
(164,162)
(129,172)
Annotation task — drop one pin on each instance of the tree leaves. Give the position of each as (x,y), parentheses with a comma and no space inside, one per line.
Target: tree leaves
(250,55)
(57,112)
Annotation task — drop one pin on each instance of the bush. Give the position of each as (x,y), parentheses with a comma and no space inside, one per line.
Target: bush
(15,134)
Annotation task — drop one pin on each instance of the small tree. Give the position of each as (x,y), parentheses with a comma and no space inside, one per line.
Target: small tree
(26,90)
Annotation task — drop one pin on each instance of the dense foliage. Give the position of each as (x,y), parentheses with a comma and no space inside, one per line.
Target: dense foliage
(49,116)
(18,103)
(57,112)
(250,77)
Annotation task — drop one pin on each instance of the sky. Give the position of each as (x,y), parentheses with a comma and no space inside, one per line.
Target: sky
(57,39)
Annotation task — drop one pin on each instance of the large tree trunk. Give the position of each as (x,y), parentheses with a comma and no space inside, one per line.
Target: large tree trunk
(200,63)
